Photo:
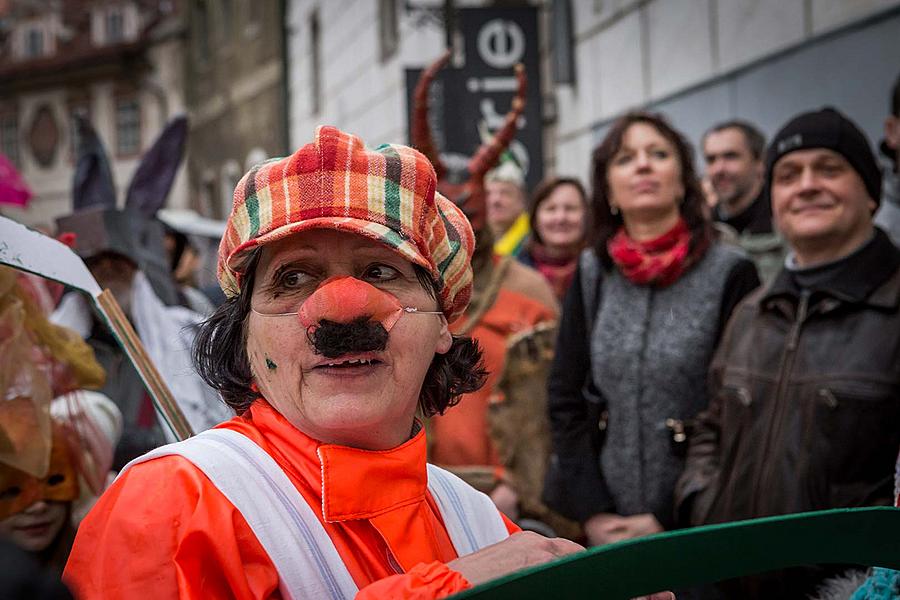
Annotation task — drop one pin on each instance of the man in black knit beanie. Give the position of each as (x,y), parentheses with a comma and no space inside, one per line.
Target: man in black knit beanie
(805,384)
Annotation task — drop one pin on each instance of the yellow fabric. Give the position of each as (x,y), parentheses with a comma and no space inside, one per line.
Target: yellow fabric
(64,346)
(40,361)
(512,240)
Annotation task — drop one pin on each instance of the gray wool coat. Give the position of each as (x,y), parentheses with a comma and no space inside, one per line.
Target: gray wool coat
(650,350)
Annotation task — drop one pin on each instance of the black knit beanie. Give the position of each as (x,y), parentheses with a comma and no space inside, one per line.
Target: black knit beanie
(827,128)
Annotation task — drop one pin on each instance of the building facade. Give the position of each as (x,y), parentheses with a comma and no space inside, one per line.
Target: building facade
(699,61)
(119,62)
(704,61)
(235,89)
(346,63)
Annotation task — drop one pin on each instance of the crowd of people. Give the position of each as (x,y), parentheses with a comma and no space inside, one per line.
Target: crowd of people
(403,376)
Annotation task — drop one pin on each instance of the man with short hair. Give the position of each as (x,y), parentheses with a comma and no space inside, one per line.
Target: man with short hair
(888,216)
(805,384)
(734,165)
(733,151)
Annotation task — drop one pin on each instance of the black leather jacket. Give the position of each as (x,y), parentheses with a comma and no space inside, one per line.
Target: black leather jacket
(805,400)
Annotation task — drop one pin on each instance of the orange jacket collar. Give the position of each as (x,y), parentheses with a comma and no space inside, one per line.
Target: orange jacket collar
(355,484)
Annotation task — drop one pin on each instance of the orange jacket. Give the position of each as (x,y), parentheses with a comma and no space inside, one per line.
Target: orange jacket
(164,531)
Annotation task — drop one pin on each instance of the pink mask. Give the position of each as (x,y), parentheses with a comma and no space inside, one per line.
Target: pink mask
(344,299)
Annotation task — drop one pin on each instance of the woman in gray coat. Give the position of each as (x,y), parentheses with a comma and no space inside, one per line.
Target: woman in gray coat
(638,330)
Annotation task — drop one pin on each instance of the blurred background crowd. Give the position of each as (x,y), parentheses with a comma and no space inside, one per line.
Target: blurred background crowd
(686,285)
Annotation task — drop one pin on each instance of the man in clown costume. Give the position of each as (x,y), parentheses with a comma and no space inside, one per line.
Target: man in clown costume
(343,268)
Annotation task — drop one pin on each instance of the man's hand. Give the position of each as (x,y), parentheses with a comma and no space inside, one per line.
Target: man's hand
(506,500)
(518,551)
(608,528)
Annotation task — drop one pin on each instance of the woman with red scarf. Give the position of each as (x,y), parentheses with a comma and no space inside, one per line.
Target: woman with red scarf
(558,219)
(642,317)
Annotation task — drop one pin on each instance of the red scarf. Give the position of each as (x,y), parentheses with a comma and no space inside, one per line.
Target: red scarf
(557,271)
(659,261)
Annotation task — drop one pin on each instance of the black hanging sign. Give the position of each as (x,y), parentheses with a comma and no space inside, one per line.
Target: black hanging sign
(468,102)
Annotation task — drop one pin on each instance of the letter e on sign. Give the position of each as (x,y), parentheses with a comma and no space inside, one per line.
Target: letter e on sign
(501,44)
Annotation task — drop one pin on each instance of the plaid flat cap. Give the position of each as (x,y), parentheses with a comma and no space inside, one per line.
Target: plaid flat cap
(335,182)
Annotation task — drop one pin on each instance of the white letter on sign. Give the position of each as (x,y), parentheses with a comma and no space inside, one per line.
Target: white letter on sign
(501,44)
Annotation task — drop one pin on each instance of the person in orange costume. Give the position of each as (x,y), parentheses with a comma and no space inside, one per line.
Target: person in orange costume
(343,267)
(515,299)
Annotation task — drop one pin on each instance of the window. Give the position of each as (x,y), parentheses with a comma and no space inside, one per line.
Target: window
(33,38)
(251,18)
(563,43)
(78,106)
(316,66)
(231,175)
(128,126)
(43,135)
(9,136)
(34,43)
(226,13)
(73,134)
(207,195)
(114,25)
(200,15)
(388,28)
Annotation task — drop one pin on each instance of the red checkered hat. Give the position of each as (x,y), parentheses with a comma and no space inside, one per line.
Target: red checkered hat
(387,194)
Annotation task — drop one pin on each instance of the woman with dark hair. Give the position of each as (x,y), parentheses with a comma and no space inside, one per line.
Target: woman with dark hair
(645,310)
(558,219)
(343,268)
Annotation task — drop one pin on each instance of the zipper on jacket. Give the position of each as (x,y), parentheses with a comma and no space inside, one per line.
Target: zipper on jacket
(776,422)
(802,309)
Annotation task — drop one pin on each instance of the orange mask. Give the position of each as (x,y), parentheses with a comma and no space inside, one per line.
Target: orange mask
(19,490)
(343,299)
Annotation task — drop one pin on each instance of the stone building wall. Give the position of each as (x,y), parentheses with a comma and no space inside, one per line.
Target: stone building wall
(235,93)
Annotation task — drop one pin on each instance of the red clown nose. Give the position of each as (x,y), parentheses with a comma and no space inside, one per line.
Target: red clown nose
(344,299)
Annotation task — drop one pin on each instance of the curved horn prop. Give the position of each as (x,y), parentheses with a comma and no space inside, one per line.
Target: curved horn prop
(489,152)
(421,129)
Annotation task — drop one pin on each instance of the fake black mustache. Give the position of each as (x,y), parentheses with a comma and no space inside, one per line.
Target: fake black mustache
(332,340)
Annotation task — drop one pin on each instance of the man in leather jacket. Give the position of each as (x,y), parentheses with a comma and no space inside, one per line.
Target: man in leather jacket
(805,385)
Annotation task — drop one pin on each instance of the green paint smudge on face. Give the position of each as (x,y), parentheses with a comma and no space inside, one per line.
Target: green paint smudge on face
(270,364)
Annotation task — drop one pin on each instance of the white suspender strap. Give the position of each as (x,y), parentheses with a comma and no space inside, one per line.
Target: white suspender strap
(471,518)
(307,562)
